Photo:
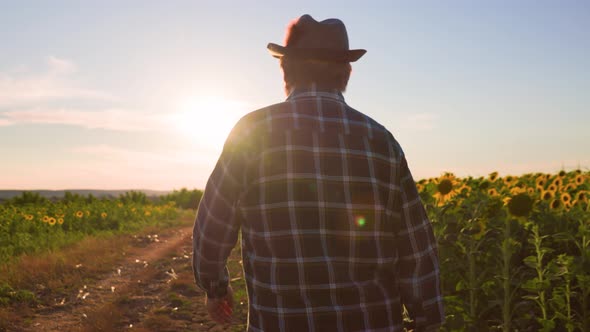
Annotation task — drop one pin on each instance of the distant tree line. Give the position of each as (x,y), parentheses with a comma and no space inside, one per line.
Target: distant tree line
(183,198)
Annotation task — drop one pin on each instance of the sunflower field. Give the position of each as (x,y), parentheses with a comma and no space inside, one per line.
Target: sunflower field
(514,251)
(30,223)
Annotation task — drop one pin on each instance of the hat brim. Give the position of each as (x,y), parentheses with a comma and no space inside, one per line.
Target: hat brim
(319,54)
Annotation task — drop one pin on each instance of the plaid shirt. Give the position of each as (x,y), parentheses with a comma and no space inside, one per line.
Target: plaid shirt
(334,235)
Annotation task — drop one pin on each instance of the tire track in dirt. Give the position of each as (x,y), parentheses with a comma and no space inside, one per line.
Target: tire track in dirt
(135,286)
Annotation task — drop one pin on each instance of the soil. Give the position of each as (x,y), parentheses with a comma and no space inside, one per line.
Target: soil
(151,289)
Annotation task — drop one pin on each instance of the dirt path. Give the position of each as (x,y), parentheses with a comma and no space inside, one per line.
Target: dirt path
(151,290)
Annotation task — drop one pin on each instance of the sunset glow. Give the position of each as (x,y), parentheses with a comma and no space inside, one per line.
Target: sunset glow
(207,120)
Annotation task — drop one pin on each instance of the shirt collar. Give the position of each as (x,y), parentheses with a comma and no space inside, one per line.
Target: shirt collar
(314,92)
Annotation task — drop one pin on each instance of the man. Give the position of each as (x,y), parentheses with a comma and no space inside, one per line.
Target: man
(334,235)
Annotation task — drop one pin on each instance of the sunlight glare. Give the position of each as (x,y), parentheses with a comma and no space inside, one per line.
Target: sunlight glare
(208,120)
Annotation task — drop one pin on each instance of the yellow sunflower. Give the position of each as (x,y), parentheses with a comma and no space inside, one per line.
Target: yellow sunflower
(79,214)
(541,182)
(552,187)
(52,221)
(103,215)
(547,195)
(493,176)
(565,198)
(45,218)
(517,190)
(558,182)
(29,217)
(509,180)
(582,196)
(60,220)
(556,204)
(569,187)
(446,188)
(579,179)
(419,187)
(493,192)
(562,174)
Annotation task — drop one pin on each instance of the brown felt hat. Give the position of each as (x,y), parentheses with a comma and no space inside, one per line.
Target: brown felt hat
(308,39)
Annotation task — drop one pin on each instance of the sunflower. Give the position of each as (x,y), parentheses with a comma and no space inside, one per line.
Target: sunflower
(45,218)
(446,188)
(569,187)
(60,221)
(148,213)
(558,182)
(29,217)
(493,176)
(579,179)
(509,180)
(582,196)
(79,214)
(530,191)
(547,195)
(556,204)
(517,190)
(103,215)
(566,198)
(419,187)
(51,221)
(520,205)
(493,192)
(541,182)
(562,174)
(552,187)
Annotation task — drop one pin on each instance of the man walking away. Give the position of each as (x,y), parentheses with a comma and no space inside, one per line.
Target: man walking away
(334,235)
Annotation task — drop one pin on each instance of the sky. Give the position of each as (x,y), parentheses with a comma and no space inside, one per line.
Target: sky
(141,94)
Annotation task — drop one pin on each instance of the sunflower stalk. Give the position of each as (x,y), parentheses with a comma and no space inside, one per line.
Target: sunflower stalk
(583,279)
(562,295)
(541,282)
(507,251)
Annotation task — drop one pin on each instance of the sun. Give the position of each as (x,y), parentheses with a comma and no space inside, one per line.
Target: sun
(207,120)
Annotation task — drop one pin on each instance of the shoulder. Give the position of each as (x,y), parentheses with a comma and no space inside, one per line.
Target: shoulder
(258,118)
(379,131)
(252,125)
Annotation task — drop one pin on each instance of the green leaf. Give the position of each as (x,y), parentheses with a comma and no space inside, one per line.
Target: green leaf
(531,261)
(460,285)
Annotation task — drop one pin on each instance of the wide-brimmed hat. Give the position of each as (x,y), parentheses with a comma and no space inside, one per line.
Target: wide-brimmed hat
(308,39)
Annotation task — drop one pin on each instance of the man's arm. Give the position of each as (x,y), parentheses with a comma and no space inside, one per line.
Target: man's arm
(216,227)
(419,274)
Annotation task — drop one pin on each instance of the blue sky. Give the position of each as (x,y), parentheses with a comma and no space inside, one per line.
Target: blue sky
(137,94)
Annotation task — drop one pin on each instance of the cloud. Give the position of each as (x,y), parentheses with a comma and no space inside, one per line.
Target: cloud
(110,119)
(420,121)
(59,66)
(23,89)
(5,122)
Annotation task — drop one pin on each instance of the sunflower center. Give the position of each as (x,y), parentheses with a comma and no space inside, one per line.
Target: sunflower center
(445,186)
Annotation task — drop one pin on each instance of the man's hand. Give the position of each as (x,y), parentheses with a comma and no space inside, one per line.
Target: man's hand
(221,309)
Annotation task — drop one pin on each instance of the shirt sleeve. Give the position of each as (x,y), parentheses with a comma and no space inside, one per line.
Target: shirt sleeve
(216,226)
(419,274)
